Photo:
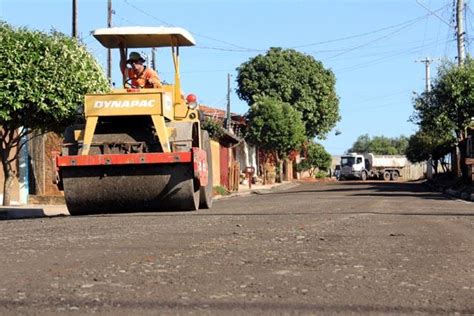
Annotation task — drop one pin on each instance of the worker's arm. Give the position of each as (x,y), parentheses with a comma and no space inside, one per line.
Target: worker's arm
(152,78)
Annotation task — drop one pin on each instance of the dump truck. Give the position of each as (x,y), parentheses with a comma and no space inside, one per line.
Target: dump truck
(366,166)
(137,149)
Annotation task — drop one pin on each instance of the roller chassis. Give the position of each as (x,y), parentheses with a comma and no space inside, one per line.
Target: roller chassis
(139,149)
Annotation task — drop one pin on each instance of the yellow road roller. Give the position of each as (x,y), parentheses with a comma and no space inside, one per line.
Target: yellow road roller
(137,149)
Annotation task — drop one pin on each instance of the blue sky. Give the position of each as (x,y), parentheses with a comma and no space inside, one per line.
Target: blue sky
(371,45)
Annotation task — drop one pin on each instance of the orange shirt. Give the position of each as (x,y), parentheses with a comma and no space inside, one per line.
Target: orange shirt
(148,78)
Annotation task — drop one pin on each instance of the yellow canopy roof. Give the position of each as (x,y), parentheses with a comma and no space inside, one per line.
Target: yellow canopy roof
(143,37)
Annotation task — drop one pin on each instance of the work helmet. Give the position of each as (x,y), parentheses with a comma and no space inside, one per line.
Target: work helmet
(134,57)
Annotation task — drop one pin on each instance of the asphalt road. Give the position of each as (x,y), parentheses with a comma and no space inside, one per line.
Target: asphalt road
(349,247)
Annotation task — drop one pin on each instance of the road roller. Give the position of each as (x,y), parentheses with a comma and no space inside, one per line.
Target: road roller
(137,149)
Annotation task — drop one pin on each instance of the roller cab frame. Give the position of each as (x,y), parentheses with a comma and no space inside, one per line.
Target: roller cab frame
(140,137)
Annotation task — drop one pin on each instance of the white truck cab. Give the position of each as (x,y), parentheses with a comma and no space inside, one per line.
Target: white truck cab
(353,166)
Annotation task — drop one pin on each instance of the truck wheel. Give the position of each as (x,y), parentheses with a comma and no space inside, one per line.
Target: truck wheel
(386,176)
(363,176)
(394,176)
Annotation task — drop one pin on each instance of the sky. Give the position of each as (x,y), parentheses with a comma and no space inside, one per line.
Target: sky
(374,47)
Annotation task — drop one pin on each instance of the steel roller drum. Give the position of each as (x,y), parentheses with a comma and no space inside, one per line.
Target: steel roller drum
(130,188)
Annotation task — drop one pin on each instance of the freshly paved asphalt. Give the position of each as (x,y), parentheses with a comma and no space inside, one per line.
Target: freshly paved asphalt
(348,247)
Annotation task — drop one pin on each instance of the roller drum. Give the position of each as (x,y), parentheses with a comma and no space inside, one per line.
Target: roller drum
(130,188)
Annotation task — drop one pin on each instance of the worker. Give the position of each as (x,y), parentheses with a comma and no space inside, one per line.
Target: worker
(138,74)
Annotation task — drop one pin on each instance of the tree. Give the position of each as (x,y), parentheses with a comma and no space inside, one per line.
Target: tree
(294,78)
(424,145)
(213,127)
(275,127)
(317,158)
(449,106)
(43,78)
(380,145)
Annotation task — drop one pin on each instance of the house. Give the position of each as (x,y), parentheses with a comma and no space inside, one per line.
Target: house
(234,153)
(239,154)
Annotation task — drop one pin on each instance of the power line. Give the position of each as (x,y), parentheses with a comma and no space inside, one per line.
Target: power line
(240,49)
(380,60)
(373,41)
(433,13)
(230,49)
(170,24)
(146,13)
(370,32)
(381,53)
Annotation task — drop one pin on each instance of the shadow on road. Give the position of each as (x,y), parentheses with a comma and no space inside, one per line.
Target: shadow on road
(252,307)
(369,188)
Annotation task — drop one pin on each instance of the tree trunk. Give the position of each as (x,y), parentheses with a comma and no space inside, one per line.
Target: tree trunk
(9,175)
(435,166)
(455,162)
(462,159)
(9,144)
(280,167)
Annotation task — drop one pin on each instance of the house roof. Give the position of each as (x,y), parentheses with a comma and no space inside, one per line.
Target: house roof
(212,112)
(221,114)
(228,138)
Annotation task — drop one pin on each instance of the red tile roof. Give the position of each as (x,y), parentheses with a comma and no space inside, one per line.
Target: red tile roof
(212,112)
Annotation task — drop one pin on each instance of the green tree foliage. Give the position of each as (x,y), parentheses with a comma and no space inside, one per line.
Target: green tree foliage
(294,78)
(424,145)
(449,106)
(214,128)
(380,145)
(317,158)
(275,127)
(43,78)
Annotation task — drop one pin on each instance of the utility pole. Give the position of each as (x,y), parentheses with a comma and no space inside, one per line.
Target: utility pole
(74,18)
(460,31)
(427,61)
(456,154)
(109,52)
(153,60)
(228,103)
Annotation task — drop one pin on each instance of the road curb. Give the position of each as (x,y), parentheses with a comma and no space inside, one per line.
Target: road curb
(32,211)
(450,192)
(278,187)
(460,195)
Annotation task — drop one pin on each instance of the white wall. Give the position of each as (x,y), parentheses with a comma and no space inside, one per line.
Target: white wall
(246,156)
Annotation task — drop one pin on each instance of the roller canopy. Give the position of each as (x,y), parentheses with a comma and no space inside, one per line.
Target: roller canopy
(142,37)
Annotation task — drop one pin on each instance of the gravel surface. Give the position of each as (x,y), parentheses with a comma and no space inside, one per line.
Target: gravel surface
(334,248)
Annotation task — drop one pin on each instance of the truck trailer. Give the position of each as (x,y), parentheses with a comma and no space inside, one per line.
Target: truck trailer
(370,166)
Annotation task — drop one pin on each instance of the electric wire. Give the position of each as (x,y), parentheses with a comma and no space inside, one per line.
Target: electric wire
(241,49)
(170,24)
(370,32)
(434,13)
(409,51)
(387,36)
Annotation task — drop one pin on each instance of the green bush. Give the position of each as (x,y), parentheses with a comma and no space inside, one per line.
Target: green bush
(220,190)
(321,174)
(213,127)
